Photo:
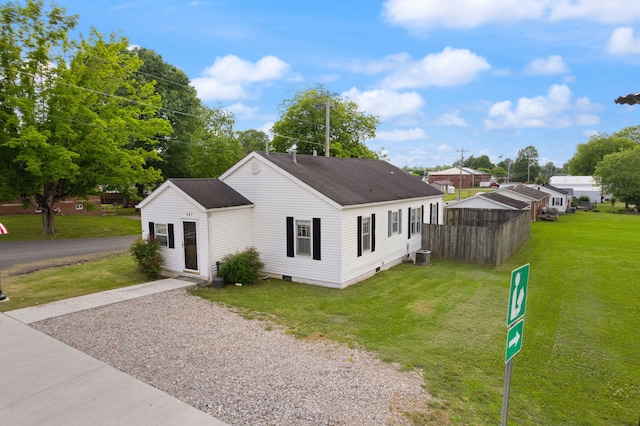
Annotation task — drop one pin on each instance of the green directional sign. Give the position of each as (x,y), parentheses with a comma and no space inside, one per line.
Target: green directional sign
(518,294)
(514,340)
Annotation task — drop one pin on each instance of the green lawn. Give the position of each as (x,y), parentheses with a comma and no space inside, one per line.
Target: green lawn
(29,227)
(53,284)
(580,358)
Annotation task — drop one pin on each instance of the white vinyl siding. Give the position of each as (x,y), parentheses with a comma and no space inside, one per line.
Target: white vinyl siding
(172,207)
(272,207)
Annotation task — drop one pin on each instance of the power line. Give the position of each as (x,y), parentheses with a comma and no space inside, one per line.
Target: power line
(59,81)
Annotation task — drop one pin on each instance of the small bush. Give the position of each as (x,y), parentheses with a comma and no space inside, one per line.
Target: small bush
(148,256)
(243,267)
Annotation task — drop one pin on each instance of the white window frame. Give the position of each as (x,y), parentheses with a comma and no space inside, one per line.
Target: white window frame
(303,237)
(556,201)
(366,233)
(415,221)
(394,222)
(161,234)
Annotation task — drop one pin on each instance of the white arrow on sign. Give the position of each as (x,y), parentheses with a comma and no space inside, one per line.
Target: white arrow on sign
(516,298)
(515,340)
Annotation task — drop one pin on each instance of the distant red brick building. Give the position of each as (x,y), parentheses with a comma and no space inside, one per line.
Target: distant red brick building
(469,177)
(62,208)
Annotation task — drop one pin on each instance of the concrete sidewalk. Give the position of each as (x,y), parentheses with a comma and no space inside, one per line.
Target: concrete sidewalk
(45,382)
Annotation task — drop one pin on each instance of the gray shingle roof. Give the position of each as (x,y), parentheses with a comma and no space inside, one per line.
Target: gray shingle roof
(352,181)
(211,193)
(559,190)
(503,199)
(529,192)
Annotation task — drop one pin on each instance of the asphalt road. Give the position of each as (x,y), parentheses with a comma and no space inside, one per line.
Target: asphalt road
(18,252)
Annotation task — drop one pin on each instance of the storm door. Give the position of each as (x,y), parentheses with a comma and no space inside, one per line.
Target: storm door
(190,246)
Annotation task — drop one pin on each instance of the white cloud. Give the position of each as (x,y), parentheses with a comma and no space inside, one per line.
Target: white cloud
(607,12)
(401,135)
(386,103)
(451,119)
(551,65)
(421,16)
(623,42)
(552,110)
(266,128)
(231,77)
(462,14)
(443,147)
(243,110)
(451,67)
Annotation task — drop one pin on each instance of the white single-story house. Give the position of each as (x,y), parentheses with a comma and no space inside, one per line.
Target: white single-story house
(318,220)
(536,199)
(488,200)
(582,186)
(559,198)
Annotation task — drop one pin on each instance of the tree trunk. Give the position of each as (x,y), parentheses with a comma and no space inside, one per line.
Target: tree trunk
(45,202)
(48,227)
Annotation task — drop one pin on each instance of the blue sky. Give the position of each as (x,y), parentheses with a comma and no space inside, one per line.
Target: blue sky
(487,76)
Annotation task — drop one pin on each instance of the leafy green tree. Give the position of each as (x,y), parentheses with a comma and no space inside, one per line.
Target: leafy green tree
(482,162)
(618,174)
(589,154)
(546,171)
(526,167)
(180,106)
(253,140)
(303,122)
(216,147)
(632,133)
(70,111)
(498,172)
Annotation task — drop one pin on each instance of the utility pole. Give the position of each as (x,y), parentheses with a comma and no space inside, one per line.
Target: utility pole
(461,151)
(326,127)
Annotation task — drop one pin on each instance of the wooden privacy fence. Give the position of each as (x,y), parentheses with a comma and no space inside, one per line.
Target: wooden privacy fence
(477,235)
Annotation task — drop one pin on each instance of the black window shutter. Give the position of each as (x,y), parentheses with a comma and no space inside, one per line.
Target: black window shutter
(421,215)
(172,242)
(430,212)
(316,238)
(409,222)
(152,229)
(359,236)
(290,237)
(373,232)
(390,219)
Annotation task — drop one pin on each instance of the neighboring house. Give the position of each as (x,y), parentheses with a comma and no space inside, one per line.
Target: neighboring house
(89,206)
(317,220)
(582,186)
(536,199)
(469,177)
(559,198)
(489,200)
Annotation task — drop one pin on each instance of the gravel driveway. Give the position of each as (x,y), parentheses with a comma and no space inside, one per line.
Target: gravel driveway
(243,372)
